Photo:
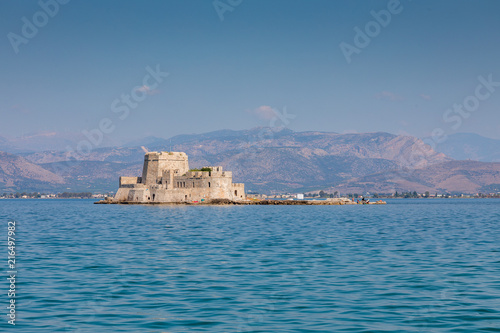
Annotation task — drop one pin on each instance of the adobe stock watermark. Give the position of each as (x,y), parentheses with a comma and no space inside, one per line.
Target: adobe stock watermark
(120,106)
(11,271)
(363,37)
(455,117)
(470,104)
(30,28)
(223,6)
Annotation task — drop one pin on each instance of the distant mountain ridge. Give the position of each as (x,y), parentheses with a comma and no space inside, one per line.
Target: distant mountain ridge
(470,146)
(16,173)
(41,141)
(266,160)
(451,177)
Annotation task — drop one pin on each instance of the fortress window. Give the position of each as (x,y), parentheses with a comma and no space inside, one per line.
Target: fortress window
(193,184)
(208,184)
(235,192)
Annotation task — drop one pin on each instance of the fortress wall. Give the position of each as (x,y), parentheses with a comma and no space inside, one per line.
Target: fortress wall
(167,179)
(238,191)
(174,195)
(129,181)
(219,188)
(216,171)
(137,195)
(173,161)
(122,194)
(194,174)
(202,179)
(188,182)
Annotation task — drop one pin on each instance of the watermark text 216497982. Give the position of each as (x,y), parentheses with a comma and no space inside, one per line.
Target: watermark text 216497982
(11,272)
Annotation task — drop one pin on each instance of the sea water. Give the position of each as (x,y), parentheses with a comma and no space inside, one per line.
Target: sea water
(427,265)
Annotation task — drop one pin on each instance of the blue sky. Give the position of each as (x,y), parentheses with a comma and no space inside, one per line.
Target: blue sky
(231,73)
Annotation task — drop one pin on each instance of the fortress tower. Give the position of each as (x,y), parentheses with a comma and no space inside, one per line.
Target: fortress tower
(155,163)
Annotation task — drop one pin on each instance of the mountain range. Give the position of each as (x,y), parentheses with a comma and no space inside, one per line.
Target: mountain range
(470,146)
(267,160)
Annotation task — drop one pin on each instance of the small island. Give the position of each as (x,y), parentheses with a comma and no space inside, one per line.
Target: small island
(167,179)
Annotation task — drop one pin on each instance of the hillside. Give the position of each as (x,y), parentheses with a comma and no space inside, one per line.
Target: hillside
(92,175)
(451,176)
(18,173)
(266,161)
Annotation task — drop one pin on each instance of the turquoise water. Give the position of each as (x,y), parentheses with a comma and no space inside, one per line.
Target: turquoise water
(409,266)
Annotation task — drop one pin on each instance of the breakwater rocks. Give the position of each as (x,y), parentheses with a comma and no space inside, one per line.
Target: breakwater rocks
(215,202)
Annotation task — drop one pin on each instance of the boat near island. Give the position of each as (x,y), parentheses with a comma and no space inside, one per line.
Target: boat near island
(167,179)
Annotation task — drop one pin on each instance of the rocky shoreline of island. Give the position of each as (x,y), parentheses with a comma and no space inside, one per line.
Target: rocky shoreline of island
(268,202)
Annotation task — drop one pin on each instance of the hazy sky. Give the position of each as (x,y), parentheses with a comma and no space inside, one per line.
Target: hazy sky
(232,62)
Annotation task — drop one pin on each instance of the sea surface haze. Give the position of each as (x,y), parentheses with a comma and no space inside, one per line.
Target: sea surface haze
(409,266)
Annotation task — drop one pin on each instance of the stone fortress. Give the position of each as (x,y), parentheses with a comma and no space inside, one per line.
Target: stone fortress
(166,178)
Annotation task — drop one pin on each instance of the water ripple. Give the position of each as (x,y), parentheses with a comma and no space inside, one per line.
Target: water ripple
(410,266)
